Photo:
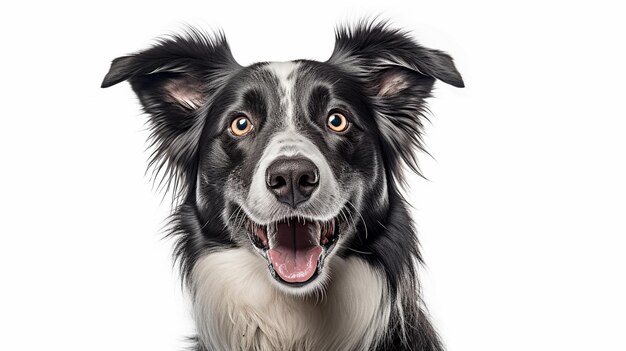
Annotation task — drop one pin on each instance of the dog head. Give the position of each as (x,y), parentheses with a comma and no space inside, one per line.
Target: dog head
(286,158)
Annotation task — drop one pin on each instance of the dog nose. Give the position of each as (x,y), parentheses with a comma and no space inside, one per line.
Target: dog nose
(292,180)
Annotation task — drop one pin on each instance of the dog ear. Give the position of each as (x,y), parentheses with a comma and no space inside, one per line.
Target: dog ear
(174,80)
(398,75)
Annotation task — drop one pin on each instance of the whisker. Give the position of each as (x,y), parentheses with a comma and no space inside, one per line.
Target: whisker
(363,252)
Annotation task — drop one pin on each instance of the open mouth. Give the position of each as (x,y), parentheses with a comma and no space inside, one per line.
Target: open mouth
(295,247)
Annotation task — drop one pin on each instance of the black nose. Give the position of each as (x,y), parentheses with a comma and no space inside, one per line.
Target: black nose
(292,180)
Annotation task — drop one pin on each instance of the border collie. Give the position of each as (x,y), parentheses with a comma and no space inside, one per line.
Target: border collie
(291,230)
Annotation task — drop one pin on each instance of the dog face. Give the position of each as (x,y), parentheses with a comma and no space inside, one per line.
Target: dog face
(285,158)
(294,147)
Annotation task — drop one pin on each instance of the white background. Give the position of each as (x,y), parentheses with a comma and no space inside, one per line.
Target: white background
(522,220)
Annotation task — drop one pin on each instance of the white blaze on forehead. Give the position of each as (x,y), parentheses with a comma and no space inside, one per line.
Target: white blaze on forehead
(285,72)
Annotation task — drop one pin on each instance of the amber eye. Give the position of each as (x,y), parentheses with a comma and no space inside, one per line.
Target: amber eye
(337,122)
(240,126)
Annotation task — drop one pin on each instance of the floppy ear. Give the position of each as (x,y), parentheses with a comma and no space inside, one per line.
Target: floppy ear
(174,80)
(399,75)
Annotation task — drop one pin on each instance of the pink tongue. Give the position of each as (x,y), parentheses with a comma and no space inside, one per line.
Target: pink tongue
(296,252)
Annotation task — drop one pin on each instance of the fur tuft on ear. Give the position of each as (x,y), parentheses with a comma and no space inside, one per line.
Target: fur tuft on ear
(174,80)
(375,44)
(399,75)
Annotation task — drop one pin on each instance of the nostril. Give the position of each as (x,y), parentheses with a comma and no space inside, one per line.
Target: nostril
(308,179)
(277,182)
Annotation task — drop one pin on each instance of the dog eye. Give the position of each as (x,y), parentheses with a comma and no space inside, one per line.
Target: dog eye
(240,126)
(337,122)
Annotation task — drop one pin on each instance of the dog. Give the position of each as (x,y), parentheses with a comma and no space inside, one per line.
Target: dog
(291,229)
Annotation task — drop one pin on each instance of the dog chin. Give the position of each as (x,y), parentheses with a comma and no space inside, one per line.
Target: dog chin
(295,249)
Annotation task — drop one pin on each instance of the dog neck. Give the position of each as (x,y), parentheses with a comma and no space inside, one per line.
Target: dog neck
(238,307)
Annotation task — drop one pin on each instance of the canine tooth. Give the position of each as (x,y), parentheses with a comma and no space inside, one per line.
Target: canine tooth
(261,234)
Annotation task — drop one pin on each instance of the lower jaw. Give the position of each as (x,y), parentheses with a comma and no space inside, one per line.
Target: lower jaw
(296,284)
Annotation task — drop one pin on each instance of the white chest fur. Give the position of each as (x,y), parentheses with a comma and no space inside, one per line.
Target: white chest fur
(237,306)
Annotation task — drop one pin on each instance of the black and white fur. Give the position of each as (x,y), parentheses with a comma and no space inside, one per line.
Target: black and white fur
(366,295)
